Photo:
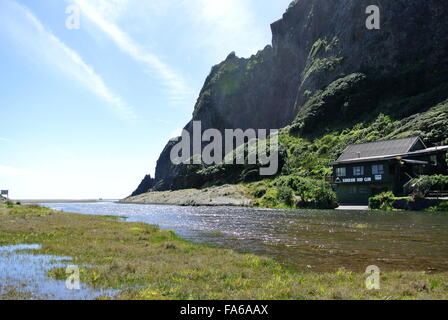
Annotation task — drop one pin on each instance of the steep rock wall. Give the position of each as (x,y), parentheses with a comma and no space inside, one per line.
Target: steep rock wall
(325,70)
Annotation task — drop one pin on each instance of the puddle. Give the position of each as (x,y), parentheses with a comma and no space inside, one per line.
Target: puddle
(26,273)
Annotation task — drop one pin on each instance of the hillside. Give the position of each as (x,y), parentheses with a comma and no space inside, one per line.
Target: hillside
(328,81)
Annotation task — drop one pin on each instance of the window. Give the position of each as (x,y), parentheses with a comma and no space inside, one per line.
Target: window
(341,172)
(358,171)
(377,169)
(434,160)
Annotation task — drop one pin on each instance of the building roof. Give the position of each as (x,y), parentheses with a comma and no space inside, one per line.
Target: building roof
(386,150)
(378,149)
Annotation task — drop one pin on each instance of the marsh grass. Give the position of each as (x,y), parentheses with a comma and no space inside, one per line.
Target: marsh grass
(144,262)
(12,293)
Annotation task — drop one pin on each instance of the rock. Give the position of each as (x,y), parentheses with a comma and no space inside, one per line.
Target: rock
(416,204)
(145,186)
(324,70)
(227,195)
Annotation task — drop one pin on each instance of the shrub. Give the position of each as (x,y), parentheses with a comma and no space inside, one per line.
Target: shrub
(325,198)
(382,201)
(423,185)
(259,192)
(312,193)
(9,204)
(443,207)
(270,198)
(286,195)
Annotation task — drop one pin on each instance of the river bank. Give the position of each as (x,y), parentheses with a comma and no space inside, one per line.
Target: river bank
(37,201)
(227,195)
(144,262)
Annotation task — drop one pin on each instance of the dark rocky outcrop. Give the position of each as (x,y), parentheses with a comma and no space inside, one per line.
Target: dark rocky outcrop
(416,204)
(326,71)
(145,186)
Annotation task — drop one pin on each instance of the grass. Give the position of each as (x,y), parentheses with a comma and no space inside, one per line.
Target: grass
(145,262)
(11,293)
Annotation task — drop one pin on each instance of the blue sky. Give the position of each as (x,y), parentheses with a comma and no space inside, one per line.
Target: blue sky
(85,113)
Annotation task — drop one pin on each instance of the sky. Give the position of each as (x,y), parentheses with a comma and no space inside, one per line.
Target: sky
(85,112)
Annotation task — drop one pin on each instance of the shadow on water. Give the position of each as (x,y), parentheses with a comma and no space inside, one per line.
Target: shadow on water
(25,274)
(303,239)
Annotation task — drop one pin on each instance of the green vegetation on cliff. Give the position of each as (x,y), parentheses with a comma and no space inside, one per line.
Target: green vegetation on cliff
(423,185)
(305,170)
(328,82)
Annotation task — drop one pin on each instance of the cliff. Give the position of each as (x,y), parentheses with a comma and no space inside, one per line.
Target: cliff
(324,72)
(145,186)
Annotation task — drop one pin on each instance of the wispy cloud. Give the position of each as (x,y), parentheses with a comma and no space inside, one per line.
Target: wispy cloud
(26,28)
(178,90)
(4,139)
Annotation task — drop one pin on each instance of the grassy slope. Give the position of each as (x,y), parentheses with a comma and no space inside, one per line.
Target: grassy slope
(148,263)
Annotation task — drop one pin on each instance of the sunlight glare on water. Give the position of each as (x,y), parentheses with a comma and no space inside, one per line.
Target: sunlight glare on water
(323,240)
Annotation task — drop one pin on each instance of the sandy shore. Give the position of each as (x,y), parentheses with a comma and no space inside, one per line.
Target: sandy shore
(227,195)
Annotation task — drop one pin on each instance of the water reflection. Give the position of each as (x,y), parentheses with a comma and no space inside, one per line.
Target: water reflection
(303,239)
(26,273)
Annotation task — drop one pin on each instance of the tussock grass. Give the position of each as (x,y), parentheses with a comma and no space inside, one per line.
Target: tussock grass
(145,262)
(11,293)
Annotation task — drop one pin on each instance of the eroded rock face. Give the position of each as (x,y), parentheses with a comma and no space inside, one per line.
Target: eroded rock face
(145,186)
(325,68)
(397,62)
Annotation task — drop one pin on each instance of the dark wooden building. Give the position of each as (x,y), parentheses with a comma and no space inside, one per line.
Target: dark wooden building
(367,169)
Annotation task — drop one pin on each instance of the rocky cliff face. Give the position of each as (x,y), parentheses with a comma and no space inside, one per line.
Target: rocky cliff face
(145,186)
(326,70)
